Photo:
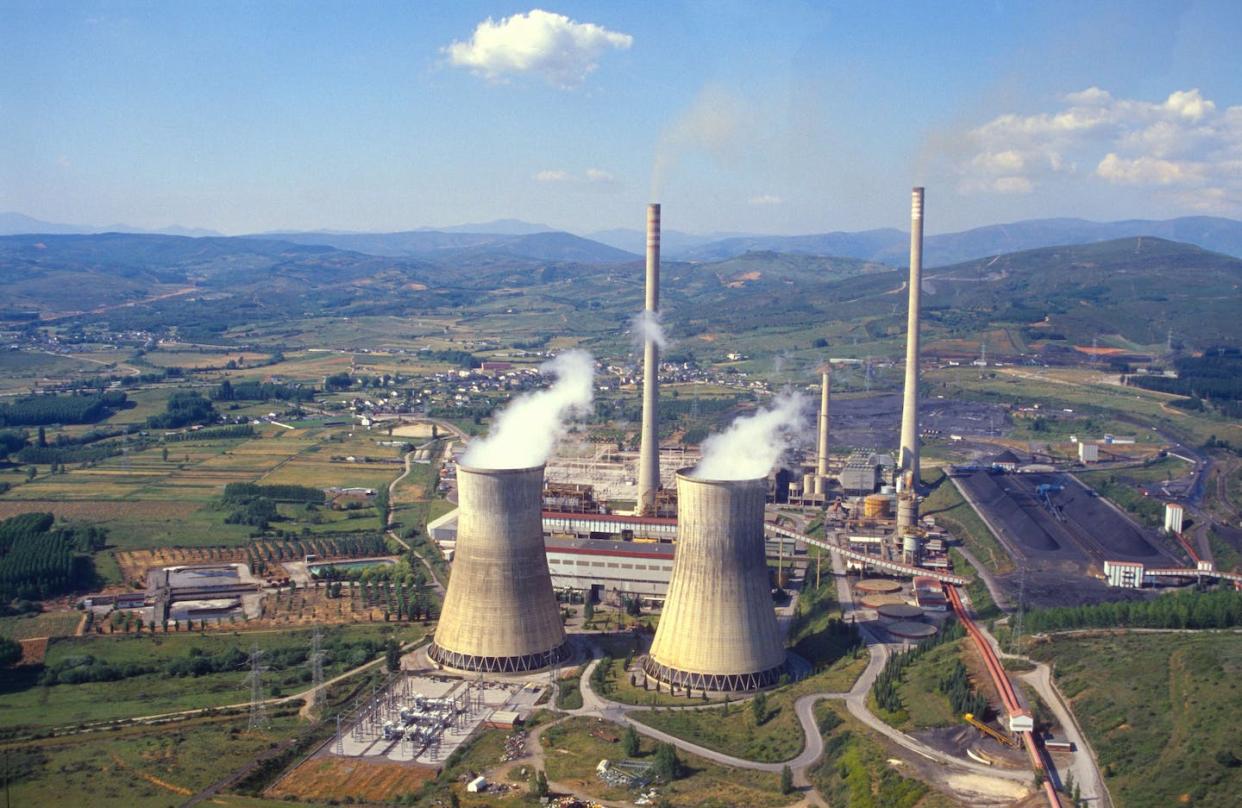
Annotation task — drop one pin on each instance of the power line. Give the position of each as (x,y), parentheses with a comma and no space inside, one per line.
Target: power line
(258,711)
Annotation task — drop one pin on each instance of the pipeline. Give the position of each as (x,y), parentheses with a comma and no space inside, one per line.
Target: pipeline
(1034,749)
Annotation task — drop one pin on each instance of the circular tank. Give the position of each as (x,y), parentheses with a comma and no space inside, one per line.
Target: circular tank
(876,601)
(877,586)
(500,613)
(875,506)
(900,611)
(911,631)
(718,630)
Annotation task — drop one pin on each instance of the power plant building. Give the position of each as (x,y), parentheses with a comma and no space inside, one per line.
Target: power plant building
(718,630)
(500,613)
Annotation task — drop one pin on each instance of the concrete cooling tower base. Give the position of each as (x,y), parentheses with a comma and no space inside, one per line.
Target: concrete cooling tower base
(716,682)
(525,663)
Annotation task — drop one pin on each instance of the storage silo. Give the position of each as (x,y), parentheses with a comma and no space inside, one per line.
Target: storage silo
(718,630)
(500,614)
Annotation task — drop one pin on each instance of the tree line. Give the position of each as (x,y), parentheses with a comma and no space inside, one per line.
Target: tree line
(53,409)
(1220,608)
(38,560)
(261,391)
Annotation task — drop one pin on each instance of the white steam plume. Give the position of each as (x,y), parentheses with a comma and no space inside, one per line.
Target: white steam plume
(525,432)
(646,326)
(754,444)
(715,125)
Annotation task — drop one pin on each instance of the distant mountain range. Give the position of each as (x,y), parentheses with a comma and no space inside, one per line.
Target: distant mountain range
(892,246)
(514,239)
(455,244)
(13,224)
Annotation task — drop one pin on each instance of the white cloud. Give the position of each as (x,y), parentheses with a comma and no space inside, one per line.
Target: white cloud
(562,51)
(552,175)
(592,177)
(765,200)
(1148,171)
(1179,146)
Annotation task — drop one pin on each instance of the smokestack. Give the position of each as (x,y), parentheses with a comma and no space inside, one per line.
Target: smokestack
(718,629)
(910,410)
(500,613)
(649,449)
(821,468)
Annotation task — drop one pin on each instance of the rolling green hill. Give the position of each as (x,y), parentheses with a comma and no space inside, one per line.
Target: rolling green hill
(1127,292)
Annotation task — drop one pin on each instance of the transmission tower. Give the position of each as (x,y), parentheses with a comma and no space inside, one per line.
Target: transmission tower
(258,712)
(315,660)
(1017,624)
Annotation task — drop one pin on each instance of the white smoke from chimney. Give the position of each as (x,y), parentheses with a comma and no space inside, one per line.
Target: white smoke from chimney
(646,326)
(524,434)
(716,124)
(754,444)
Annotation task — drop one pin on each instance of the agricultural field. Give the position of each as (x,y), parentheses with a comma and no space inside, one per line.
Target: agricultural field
(165,494)
(27,702)
(574,747)
(1157,708)
(327,777)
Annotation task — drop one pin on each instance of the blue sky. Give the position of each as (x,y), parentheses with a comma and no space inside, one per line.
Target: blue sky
(765,117)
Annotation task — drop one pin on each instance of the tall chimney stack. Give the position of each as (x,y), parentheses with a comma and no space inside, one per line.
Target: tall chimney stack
(910,410)
(649,449)
(821,469)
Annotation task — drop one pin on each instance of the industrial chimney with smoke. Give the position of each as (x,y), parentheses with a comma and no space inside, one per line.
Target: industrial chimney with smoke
(718,629)
(910,411)
(500,614)
(649,448)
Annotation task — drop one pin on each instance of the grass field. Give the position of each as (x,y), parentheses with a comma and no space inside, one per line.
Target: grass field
(25,703)
(732,728)
(152,770)
(1160,711)
(41,624)
(924,705)
(574,747)
(946,504)
(858,773)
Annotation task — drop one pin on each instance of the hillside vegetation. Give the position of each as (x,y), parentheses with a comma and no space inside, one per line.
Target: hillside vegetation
(1160,711)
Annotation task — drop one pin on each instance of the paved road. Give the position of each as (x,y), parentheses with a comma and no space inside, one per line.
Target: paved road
(998,595)
(1083,763)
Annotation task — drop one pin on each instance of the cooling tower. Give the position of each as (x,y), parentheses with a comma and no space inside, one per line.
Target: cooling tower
(910,410)
(649,449)
(821,456)
(718,630)
(500,614)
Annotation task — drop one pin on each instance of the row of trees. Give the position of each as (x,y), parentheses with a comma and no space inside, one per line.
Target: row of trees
(53,409)
(261,391)
(196,662)
(40,561)
(1221,608)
